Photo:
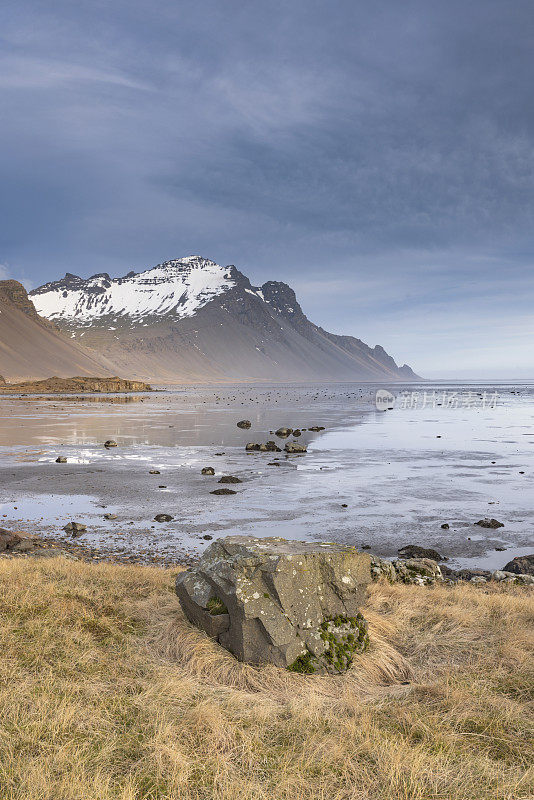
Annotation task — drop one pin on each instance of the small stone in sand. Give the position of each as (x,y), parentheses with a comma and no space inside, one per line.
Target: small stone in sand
(75,528)
(229,479)
(61,460)
(489,523)
(163,518)
(207,471)
(295,447)
(110,443)
(223,491)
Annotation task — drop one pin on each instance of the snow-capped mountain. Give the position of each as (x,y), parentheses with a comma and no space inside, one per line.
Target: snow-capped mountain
(178,287)
(191,319)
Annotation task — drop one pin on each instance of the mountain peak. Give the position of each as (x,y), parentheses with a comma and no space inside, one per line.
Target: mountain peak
(178,287)
(191,316)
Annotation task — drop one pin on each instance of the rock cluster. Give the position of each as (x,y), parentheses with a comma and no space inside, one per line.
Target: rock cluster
(425,571)
(274,601)
(420,571)
(268,447)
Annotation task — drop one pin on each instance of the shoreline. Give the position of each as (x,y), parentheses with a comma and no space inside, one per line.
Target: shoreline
(375,479)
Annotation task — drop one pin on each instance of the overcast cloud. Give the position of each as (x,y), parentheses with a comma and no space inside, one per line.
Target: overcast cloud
(378,156)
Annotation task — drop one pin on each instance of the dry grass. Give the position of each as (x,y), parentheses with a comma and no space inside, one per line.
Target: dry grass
(106,692)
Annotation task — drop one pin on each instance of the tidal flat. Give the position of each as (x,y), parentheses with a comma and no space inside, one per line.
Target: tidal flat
(442,454)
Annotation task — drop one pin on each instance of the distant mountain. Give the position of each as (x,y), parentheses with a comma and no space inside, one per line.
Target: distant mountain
(33,348)
(191,319)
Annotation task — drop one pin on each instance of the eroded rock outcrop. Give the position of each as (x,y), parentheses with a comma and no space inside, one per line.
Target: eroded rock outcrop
(274,601)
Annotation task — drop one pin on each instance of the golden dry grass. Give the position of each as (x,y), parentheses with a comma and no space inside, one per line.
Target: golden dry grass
(106,692)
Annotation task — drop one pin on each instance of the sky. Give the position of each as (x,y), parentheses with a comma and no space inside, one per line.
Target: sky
(377,155)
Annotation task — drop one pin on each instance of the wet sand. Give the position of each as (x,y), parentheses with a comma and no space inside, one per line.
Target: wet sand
(382,479)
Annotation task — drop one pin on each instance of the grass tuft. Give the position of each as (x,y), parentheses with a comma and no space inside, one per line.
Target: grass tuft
(107,693)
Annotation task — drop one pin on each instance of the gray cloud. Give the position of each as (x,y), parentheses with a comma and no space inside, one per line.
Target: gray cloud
(385,149)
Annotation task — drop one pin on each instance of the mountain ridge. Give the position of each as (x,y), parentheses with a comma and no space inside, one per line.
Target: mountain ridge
(33,348)
(191,318)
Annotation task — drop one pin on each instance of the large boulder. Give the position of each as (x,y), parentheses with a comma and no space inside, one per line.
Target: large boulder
(274,601)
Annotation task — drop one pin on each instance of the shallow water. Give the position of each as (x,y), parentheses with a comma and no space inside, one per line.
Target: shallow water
(399,481)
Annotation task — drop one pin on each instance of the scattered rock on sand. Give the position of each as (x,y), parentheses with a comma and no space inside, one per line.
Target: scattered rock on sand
(272,601)
(61,460)
(229,479)
(110,443)
(295,447)
(297,432)
(163,518)
(490,523)
(414,551)
(445,526)
(521,565)
(75,528)
(244,424)
(223,491)
(110,516)
(207,471)
(267,447)
(317,428)
(154,472)
(283,433)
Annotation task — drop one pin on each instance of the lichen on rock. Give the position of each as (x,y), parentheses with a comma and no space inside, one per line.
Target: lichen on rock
(292,604)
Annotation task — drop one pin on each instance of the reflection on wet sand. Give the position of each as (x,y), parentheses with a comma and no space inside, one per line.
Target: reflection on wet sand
(384,479)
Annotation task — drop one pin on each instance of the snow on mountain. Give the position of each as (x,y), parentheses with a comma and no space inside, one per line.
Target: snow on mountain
(177,287)
(191,318)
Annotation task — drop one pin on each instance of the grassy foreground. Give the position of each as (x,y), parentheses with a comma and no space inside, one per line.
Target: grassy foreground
(106,692)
